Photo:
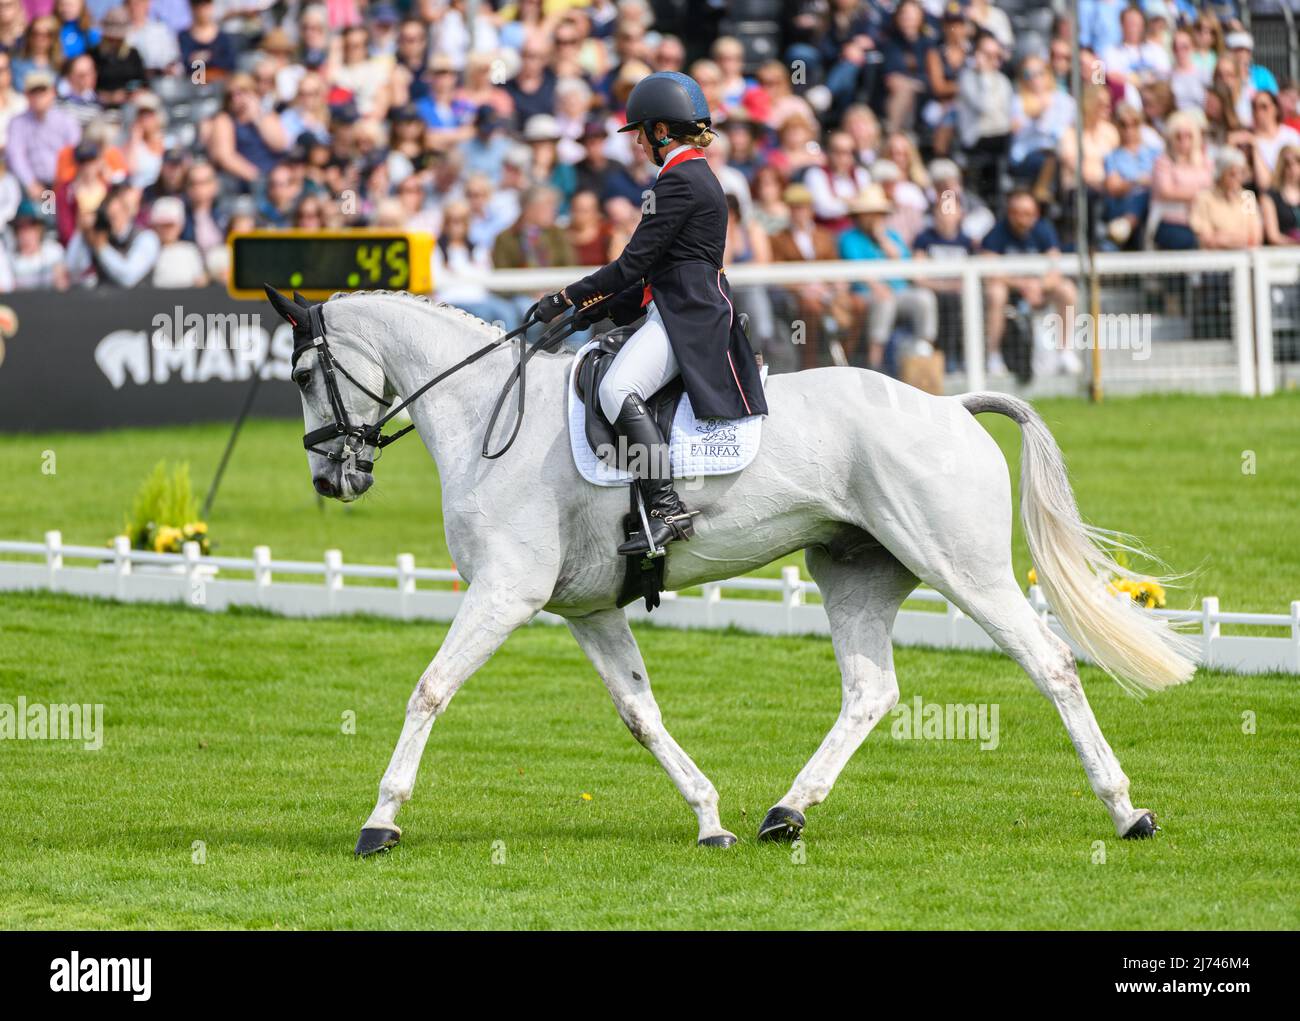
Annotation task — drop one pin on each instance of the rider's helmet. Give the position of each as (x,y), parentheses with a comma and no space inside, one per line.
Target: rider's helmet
(671,97)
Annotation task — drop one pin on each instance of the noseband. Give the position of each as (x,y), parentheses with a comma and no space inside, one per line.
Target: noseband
(372,435)
(366,435)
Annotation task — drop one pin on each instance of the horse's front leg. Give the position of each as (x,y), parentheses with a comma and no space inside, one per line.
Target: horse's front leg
(485,619)
(608,642)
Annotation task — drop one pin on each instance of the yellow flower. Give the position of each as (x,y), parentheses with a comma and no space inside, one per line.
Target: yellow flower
(1032,576)
(1146,592)
(586,796)
(167,539)
(1149,593)
(196,528)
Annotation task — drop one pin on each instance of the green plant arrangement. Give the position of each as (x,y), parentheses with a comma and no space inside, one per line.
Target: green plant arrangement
(165,513)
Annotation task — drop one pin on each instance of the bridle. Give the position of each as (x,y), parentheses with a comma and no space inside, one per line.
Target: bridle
(372,435)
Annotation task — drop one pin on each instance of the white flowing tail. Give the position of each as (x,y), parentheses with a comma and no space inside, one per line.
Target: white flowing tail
(1137,648)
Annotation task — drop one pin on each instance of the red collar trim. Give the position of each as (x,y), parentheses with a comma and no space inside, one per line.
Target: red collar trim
(682,157)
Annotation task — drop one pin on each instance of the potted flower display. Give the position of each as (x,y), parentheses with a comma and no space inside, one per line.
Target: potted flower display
(165,515)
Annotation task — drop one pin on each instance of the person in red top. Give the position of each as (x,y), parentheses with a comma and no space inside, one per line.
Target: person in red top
(589,232)
(1288,99)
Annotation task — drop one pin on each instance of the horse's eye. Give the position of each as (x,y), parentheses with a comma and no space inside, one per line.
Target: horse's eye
(303,379)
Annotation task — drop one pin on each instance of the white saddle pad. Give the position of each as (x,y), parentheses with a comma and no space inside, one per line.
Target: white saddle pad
(697,446)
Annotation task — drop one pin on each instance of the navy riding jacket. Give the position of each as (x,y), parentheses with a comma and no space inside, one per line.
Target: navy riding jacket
(675,256)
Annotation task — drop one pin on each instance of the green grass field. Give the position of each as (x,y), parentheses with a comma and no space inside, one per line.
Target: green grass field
(229,730)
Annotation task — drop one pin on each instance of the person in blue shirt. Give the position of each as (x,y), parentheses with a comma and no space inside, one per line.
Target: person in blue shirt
(77,34)
(175,14)
(1099,23)
(1127,185)
(1241,48)
(869,238)
(1023,231)
(486,150)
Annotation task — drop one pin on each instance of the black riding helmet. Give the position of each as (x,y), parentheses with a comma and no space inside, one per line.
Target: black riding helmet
(673,98)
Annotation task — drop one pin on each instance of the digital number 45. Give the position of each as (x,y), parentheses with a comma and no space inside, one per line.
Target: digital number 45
(374,258)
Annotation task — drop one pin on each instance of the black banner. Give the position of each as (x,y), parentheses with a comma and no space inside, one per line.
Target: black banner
(342,971)
(105,358)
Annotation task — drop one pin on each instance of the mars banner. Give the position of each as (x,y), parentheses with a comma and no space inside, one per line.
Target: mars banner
(98,359)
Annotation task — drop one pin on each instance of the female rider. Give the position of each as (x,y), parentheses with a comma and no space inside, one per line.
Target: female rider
(670,272)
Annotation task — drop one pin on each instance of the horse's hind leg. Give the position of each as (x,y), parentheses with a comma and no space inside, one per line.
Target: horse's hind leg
(1004,613)
(608,642)
(862,597)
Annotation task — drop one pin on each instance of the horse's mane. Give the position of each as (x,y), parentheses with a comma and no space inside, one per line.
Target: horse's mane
(422,299)
(439,306)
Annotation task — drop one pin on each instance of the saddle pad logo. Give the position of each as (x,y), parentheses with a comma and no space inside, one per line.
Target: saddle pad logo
(715,437)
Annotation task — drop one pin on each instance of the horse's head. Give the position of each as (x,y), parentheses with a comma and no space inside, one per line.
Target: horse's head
(341,384)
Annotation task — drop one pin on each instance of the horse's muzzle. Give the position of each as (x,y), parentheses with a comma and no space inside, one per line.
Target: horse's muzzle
(346,486)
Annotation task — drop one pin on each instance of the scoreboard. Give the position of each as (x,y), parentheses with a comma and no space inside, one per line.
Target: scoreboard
(319,263)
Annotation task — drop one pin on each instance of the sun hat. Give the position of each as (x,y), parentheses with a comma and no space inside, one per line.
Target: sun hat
(871,199)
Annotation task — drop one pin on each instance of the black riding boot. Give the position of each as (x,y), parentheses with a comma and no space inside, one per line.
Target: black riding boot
(648,458)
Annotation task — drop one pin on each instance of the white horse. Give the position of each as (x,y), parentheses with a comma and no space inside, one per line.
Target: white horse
(881,484)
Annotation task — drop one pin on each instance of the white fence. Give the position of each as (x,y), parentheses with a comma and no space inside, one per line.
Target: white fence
(129,575)
(1218,316)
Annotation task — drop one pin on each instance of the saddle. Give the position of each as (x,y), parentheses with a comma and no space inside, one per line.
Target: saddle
(601,435)
(643,577)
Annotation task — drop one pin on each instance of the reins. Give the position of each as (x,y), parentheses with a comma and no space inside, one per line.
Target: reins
(372,435)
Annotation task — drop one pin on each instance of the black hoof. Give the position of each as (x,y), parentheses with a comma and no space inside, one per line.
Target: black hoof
(376,841)
(718,840)
(1143,828)
(782,824)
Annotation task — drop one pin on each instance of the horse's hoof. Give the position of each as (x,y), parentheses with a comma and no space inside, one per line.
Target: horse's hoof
(376,841)
(1142,829)
(782,824)
(723,839)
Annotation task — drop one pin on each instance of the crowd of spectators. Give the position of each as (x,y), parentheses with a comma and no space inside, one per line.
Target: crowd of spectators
(136,138)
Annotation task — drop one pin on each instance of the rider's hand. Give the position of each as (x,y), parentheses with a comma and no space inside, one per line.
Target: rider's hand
(551,306)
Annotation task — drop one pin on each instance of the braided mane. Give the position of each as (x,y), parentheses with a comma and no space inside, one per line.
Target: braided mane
(422,299)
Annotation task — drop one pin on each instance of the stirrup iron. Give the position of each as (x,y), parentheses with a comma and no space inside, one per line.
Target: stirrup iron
(654,551)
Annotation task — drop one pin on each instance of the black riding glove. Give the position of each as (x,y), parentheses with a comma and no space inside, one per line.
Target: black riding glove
(551,306)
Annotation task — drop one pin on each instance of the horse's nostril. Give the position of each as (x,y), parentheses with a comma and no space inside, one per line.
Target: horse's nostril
(323,486)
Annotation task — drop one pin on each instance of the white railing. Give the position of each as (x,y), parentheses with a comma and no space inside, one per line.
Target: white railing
(134,576)
(1238,358)
(1276,289)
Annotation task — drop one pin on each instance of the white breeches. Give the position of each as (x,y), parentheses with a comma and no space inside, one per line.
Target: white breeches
(643,366)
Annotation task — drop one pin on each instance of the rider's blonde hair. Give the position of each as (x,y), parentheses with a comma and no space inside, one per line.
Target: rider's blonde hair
(700,139)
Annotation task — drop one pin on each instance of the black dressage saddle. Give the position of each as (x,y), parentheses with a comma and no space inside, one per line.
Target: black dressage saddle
(601,435)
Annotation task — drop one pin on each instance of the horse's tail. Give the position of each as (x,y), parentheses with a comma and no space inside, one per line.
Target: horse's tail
(1074,565)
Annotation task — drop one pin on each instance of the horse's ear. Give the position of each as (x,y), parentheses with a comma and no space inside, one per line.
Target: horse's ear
(298,299)
(288,311)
